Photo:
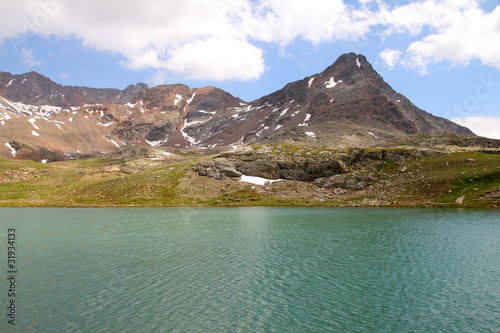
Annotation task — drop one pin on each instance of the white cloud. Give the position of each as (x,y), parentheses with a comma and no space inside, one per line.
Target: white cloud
(219,39)
(390,57)
(461,32)
(203,60)
(483,126)
(28,58)
(195,38)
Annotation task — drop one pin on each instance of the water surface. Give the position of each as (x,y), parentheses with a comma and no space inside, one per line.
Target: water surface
(254,270)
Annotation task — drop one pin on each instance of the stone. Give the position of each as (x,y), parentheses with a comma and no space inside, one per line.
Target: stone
(494,194)
(219,168)
(460,200)
(259,168)
(226,168)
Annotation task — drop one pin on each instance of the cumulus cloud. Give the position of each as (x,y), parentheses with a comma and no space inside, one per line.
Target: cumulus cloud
(221,39)
(460,32)
(484,126)
(203,60)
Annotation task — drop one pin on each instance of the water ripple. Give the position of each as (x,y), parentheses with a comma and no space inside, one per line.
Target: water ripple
(257,270)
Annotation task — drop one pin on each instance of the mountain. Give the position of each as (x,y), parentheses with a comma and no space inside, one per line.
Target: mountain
(35,92)
(349,91)
(347,104)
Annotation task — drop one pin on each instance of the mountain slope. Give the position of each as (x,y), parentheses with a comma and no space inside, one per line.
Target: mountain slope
(33,89)
(346,104)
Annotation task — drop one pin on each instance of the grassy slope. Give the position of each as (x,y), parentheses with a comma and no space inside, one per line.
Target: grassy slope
(428,181)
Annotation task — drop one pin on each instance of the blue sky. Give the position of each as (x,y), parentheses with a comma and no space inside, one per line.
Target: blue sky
(444,55)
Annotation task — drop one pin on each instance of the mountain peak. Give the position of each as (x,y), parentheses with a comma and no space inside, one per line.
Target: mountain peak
(347,103)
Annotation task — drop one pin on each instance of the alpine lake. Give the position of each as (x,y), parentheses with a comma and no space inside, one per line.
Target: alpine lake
(250,269)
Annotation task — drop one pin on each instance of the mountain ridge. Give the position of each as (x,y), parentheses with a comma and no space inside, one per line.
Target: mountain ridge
(38,90)
(348,103)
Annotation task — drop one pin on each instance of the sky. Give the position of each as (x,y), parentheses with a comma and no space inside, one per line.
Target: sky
(444,55)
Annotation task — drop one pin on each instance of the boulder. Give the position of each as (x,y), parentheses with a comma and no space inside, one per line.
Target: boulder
(226,167)
(259,168)
(219,168)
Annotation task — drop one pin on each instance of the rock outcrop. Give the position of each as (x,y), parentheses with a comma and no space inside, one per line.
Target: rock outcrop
(350,169)
(348,182)
(219,168)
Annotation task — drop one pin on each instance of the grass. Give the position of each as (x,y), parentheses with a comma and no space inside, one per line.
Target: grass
(437,180)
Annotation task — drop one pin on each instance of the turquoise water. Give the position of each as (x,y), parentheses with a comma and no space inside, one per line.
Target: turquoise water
(253,270)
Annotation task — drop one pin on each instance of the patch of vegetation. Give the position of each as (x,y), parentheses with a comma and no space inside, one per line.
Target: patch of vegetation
(98,182)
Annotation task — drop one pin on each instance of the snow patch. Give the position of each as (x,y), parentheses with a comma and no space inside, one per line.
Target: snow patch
(311,134)
(44,111)
(32,121)
(191,99)
(376,137)
(304,123)
(310,82)
(278,127)
(331,83)
(44,161)
(203,111)
(191,140)
(177,99)
(13,151)
(284,112)
(10,82)
(114,142)
(35,133)
(105,125)
(358,63)
(258,180)
(156,143)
